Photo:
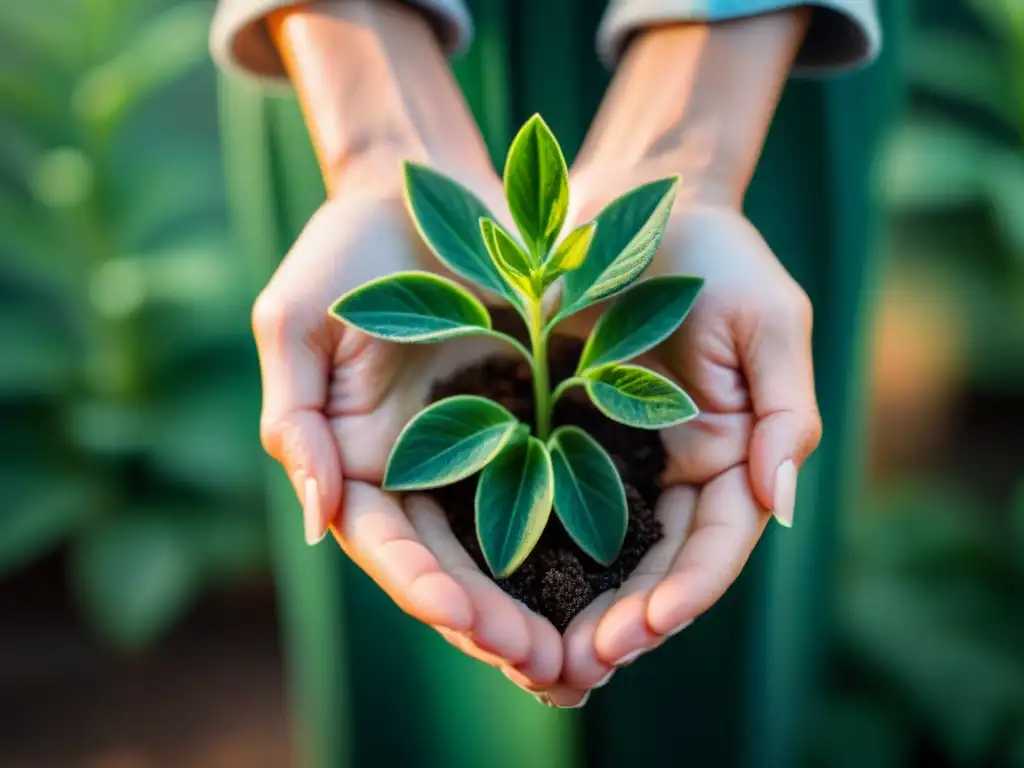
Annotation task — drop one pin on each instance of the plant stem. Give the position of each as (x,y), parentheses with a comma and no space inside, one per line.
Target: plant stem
(541,381)
(572,381)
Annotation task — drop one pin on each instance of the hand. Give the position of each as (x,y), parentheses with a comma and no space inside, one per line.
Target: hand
(375,86)
(744,355)
(334,403)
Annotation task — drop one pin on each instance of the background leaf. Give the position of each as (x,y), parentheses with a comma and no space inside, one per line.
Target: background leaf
(513,503)
(977,79)
(413,307)
(448,441)
(933,164)
(448,218)
(134,577)
(537,185)
(161,52)
(201,433)
(638,397)
(39,508)
(38,355)
(640,319)
(629,232)
(589,497)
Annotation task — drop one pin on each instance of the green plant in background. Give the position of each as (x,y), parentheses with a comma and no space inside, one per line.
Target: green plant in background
(524,474)
(953,174)
(128,389)
(927,667)
(931,632)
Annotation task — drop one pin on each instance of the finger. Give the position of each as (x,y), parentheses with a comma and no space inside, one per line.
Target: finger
(705,362)
(498,625)
(780,375)
(365,440)
(363,371)
(293,428)
(622,634)
(462,641)
(543,667)
(582,669)
(727,523)
(705,447)
(374,531)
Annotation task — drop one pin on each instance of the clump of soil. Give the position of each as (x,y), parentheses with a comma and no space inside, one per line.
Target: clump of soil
(558,580)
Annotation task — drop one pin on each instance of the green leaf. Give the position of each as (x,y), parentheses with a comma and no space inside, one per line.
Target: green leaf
(934,165)
(413,307)
(39,354)
(977,79)
(589,497)
(46,35)
(447,442)
(42,507)
(570,253)
(169,46)
(513,503)
(198,431)
(512,262)
(537,185)
(134,577)
(447,216)
(1005,187)
(629,232)
(640,319)
(227,543)
(638,397)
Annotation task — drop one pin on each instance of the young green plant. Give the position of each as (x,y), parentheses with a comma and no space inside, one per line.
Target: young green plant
(525,472)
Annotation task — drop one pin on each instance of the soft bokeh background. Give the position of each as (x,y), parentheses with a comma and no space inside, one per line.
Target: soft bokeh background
(137,616)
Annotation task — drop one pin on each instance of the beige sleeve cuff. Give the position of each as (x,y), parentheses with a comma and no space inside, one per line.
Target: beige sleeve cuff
(844,34)
(241,44)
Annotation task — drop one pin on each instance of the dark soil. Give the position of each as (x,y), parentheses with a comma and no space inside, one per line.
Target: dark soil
(558,580)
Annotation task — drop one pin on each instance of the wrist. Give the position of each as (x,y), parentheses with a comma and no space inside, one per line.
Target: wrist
(377,172)
(700,184)
(375,88)
(696,99)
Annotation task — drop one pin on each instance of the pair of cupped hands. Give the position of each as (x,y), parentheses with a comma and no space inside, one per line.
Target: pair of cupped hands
(335,400)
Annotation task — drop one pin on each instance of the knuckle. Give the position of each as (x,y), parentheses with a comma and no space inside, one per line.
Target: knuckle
(270,315)
(813,430)
(281,438)
(270,438)
(803,309)
(791,311)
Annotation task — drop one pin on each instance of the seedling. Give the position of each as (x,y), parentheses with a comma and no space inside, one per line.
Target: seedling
(527,472)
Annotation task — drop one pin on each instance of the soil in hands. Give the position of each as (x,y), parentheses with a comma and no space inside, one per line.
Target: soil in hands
(558,580)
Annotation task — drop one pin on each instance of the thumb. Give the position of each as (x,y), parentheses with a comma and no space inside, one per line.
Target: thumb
(293,428)
(780,377)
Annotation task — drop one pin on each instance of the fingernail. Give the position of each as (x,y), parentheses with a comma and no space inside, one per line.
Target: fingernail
(548,700)
(629,658)
(680,628)
(311,513)
(580,703)
(604,680)
(785,493)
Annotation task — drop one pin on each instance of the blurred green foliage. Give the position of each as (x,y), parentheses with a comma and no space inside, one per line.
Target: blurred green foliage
(929,661)
(129,390)
(931,632)
(953,174)
(128,387)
